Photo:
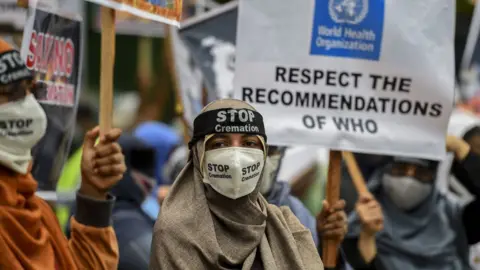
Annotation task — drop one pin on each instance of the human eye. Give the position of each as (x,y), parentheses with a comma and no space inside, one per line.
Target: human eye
(424,175)
(217,143)
(251,142)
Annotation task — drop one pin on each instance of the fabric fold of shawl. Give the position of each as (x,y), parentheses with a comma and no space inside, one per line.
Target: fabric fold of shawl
(200,229)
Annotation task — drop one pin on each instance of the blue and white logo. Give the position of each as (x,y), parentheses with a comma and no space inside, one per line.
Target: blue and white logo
(348,11)
(348,28)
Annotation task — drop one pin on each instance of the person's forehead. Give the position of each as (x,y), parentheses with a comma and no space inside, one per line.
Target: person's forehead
(410,165)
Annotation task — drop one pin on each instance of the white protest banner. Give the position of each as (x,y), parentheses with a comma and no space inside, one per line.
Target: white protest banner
(358,75)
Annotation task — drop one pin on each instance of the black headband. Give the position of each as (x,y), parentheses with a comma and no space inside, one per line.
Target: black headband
(12,68)
(227,120)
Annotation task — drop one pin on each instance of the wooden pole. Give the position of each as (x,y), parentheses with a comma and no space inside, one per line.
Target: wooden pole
(106,68)
(355,173)
(330,246)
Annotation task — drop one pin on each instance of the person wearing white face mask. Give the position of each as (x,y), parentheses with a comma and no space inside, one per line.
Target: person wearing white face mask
(30,235)
(214,216)
(408,223)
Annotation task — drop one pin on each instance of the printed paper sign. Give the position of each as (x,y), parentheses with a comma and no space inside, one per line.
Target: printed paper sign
(52,44)
(359,75)
(165,11)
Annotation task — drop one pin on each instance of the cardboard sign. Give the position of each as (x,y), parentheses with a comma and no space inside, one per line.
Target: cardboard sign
(369,76)
(51,48)
(164,11)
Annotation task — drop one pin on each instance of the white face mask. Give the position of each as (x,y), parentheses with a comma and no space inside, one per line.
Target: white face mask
(268,178)
(406,192)
(233,171)
(22,125)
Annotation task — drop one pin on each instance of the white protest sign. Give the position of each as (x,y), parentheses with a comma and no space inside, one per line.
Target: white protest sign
(359,75)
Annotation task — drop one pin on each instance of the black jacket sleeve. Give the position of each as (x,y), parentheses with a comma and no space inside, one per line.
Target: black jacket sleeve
(355,259)
(467,173)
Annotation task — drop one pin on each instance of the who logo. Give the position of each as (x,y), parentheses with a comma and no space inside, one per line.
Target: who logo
(348,28)
(348,11)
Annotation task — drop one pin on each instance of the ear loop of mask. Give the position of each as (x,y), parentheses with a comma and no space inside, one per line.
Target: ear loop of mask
(208,137)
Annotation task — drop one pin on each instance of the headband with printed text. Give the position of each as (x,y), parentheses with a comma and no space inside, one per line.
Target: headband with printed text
(227,120)
(12,68)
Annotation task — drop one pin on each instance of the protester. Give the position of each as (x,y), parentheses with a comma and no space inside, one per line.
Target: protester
(422,228)
(164,139)
(209,223)
(30,236)
(132,226)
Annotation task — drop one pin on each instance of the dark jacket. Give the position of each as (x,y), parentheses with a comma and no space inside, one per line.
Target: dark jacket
(132,226)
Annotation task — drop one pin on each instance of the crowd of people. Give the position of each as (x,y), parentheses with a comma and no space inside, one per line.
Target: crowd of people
(146,199)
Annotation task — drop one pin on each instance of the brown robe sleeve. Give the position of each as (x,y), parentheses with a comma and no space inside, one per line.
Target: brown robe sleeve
(90,246)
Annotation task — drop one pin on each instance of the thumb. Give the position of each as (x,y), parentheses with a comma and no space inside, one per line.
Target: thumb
(325,209)
(91,137)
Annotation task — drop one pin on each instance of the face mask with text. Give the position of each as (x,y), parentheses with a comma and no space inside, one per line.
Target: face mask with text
(233,171)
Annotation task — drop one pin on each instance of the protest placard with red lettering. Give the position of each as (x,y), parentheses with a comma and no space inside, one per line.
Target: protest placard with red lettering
(51,48)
